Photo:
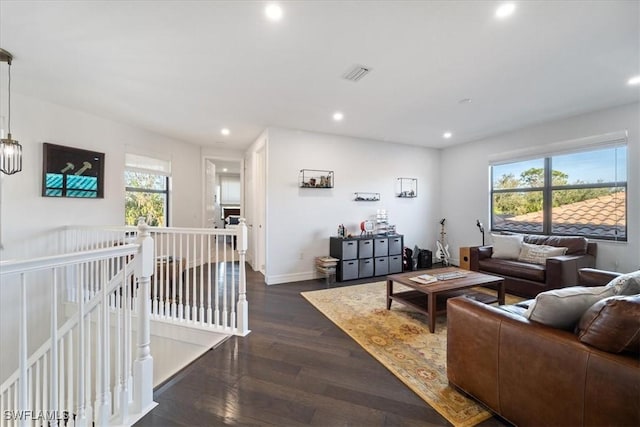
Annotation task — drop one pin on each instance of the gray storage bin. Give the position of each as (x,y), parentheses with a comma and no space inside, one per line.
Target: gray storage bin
(395,264)
(365,248)
(350,249)
(366,267)
(381,266)
(395,245)
(381,247)
(349,270)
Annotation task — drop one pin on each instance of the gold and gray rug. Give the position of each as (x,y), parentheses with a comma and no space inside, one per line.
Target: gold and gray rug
(400,339)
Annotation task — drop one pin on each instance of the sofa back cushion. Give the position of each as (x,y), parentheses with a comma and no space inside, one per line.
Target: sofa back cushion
(574,245)
(612,324)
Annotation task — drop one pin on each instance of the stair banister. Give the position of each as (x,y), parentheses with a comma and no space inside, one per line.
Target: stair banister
(143,366)
(243,304)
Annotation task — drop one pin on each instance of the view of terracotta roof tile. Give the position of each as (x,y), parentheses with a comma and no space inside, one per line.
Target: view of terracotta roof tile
(603,216)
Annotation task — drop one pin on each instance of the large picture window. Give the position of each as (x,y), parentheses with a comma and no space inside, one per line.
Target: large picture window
(582,193)
(147,190)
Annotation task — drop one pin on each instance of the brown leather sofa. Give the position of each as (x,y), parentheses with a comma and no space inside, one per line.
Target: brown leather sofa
(528,279)
(531,374)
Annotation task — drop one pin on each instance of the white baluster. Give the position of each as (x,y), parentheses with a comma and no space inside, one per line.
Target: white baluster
(53,381)
(180,302)
(123,397)
(225,313)
(103,395)
(209,312)
(174,282)
(23,401)
(216,284)
(232,291)
(203,263)
(187,308)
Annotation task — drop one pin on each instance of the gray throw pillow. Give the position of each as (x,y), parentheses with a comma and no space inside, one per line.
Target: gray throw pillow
(563,308)
(626,284)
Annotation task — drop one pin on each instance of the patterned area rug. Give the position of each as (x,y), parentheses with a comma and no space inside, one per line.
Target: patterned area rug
(400,339)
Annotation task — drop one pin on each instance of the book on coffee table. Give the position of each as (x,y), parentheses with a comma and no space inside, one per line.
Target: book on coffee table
(425,279)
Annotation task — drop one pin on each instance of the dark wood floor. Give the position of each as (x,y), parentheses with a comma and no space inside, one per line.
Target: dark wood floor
(295,368)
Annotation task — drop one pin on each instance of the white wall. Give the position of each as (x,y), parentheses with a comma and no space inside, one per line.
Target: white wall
(300,220)
(25,216)
(466,179)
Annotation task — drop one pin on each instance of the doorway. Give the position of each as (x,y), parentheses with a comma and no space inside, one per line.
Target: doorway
(223,191)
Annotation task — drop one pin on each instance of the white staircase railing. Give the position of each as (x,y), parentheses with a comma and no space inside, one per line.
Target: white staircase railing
(85,372)
(199,276)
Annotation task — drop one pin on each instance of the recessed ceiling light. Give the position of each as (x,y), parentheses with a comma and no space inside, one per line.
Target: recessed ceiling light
(273,12)
(505,10)
(225,131)
(465,101)
(337,116)
(633,81)
(224,169)
(447,135)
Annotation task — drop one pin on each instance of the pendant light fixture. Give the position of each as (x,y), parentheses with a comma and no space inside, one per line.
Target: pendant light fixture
(10,149)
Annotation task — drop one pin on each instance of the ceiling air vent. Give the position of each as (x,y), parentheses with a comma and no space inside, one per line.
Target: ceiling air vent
(356,73)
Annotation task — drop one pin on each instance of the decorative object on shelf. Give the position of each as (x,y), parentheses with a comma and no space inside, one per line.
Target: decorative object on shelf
(72,172)
(407,188)
(342,232)
(366,197)
(10,149)
(481,228)
(367,227)
(311,178)
(442,253)
(382,221)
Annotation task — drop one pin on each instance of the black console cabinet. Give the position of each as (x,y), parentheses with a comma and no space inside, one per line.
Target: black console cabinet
(367,256)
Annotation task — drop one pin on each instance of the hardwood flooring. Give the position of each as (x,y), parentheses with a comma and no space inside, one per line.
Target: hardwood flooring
(295,368)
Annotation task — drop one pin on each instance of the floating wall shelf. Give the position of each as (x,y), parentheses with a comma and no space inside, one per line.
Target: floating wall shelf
(407,188)
(311,178)
(366,197)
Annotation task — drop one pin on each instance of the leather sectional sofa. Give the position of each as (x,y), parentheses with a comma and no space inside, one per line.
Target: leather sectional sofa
(532,374)
(529,279)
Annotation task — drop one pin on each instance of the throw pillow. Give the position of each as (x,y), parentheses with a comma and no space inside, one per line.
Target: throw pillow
(538,254)
(562,308)
(506,246)
(612,324)
(626,284)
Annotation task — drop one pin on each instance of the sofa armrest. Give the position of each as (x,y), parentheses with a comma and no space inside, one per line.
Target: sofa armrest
(595,277)
(562,271)
(476,253)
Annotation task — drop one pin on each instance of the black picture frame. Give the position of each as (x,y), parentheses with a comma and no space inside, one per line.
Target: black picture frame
(72,172)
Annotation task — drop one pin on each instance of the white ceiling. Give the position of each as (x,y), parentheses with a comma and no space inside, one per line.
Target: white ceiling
(186,69)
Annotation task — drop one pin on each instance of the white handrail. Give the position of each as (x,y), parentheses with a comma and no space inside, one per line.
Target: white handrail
(43,263)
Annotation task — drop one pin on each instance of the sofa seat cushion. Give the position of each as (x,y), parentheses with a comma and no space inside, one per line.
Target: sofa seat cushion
(574,245)
(563,308)
(506,267)
(612,324)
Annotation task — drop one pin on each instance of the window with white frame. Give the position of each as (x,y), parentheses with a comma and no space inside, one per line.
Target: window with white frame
(147,184)
(581,193)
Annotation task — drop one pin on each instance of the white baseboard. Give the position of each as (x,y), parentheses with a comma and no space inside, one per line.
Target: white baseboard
(293,277)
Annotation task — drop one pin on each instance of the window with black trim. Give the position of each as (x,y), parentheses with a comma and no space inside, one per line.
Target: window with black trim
(147,190)
(579,194)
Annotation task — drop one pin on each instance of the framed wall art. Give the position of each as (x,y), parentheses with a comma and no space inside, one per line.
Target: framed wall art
(72,172)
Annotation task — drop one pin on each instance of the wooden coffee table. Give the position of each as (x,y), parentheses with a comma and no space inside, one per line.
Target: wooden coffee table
(431,298)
